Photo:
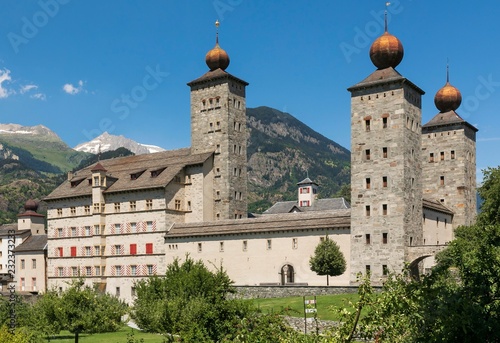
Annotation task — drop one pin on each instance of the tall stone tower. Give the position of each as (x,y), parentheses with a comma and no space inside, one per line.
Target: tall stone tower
(449,157)
(218,124)
(386,188)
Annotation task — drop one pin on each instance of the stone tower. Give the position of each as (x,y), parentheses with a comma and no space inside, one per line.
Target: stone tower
(386,188)
(449,157)
(218,124)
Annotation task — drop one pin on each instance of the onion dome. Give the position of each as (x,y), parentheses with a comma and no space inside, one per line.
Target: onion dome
(31,205)
(217,57)
(447,98)
(387,51)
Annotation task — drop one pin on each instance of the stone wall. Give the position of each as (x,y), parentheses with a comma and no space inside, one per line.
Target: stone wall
(255,292)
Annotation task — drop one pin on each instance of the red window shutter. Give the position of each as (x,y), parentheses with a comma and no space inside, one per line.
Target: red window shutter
(149,248)
(133,249)
(60,251)
(73,251)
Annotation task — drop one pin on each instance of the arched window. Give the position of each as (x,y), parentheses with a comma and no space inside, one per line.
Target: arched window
(287,274)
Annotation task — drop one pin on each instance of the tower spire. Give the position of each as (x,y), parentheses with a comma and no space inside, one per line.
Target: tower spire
(217,32)
(447,70)
(385,14)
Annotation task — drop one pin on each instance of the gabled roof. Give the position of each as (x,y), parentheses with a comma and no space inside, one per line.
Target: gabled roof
(436,206)
(381,76)
(340,219)
(33,243)
(119,171)
(7,228)
(329,204)
(447,118)
(215,75)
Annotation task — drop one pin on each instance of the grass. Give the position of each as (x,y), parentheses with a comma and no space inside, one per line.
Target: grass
(108,337)
(294,306)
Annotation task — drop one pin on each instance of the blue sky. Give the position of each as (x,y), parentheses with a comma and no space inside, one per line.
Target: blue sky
(71,65)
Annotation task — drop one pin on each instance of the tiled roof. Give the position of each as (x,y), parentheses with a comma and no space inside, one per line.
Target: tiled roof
(119,170)
(33,243)
(269,223)
(4,230)
(386,75)
(306,181)
(214,75)
(447,118)
(328,204)
(436,206)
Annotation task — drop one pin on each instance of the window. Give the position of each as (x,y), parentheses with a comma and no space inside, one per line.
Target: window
(133,270)
(367,124)
(149,248)
(88,251)
(117,207)
(73,251)
(442,155)
(441,180)
(177,205)
(384,209)
(132,205)
(200,247)
(384,181)
(118,270)
(245,245)
(97,270)
(60,271)
(149,204)
(304,203)
(149,226)
(133,227)
(189,205)
(367,154)
(411,241)
(117,291)
(96,180)
(368,184)
(431,157)
(150,269)
(384,152)
(385,271)
(23,284)
(384,123)
(59,212)
(367,210)
(453,154)
(87,231)
(59,232)
(217,125)
(221,246)
(60,252)
(295,243)
(367,269)
(118,228)
(33,283)
(132,291)
(217,149)
(269,244)
(23,264)
(384,238)
(133,249)
(88,271)
(73,211)
(87,210)
(97,250)
(74,271)
(304,190)
(73,232)
(367,238)
(97,230)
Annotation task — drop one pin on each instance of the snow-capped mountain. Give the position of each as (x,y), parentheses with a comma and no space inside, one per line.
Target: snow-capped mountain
(40,130)
(106,142)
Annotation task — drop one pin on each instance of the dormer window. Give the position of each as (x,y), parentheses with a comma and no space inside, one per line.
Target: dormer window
(135,176)
(97,180)
(75,183)
(155,173)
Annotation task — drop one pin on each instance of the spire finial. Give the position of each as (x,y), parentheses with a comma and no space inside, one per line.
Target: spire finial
(447,70)
(385,14)
(217,31)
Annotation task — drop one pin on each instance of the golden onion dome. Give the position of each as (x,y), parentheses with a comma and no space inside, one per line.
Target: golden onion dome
(217,57)
(448,98)
(387,51)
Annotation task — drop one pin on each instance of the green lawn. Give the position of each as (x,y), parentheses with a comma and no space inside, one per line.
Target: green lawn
(325,303)
(109,337)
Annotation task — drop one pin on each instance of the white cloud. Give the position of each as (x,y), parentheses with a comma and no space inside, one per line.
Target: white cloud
(70,89)
(39,96)
(27,88)
(4,77)
(488,139)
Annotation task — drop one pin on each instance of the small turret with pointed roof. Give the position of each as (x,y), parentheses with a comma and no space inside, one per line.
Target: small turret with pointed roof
(307,192)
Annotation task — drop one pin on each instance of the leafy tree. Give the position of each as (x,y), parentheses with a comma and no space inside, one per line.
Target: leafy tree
(327,259)
(490,193)
(19,336)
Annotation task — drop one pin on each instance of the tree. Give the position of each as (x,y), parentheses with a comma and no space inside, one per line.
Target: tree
(490,194)
(327,259)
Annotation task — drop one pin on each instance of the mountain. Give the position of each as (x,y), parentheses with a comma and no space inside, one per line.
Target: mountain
(107,142)
(282,151)
(38,148)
